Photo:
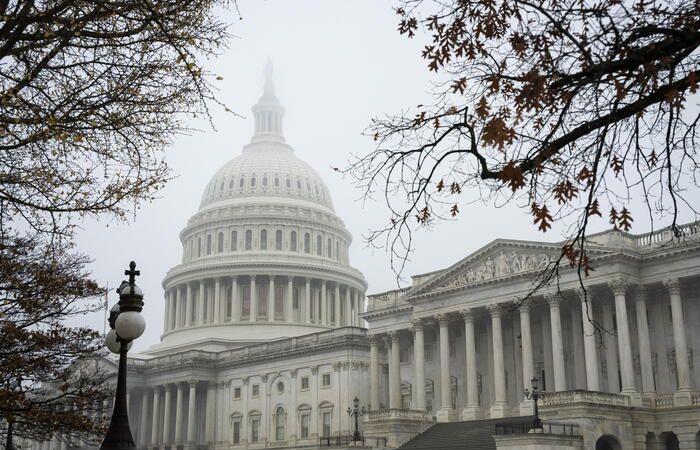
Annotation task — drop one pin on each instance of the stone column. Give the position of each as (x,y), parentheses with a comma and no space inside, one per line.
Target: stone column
(166,415)
(179,306)
(166,316)
(360,307)
(624,348)
(173,307)
(143,439)
(610,349)
(271,299)
(557,342)
(373,372)
(235,300)
(188,305)
(338,322)
(645,364)
(471,409)
(200,303)
(348,307)
(499,371)
(289,310)
(445,413)
(253,299)
(191,411)
(679,338)
(307,300)
(217,300)
(394,371)
(526,406)
(324,304)
(210,417)
(156,414)
(178,413)
(419,363)
(589,345)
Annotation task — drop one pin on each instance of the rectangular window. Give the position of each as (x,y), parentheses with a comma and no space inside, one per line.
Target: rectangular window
(326,380)
(256,390)
(305,425)
(236,393)
(453,348)
(236,432)
(254,429)
(403,355)
(304,383)
(428,350)
(326,424)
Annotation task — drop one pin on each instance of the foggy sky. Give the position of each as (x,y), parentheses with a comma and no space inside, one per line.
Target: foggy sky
(336,63)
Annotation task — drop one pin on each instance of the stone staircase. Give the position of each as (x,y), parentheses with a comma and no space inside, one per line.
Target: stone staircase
(469,435)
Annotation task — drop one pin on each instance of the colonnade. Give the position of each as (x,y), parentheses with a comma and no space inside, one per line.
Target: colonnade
(238,299)
(587,339)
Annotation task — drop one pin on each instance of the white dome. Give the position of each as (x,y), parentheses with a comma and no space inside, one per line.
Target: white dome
(265,257)
(266,169)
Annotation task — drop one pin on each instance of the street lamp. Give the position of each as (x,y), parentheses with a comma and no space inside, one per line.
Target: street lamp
(535,395)
(126,324)
(356,412)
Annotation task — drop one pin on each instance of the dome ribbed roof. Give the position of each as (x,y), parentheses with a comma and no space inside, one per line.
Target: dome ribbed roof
(267,169)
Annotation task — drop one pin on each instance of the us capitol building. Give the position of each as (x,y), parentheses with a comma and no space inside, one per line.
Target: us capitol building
(265,342)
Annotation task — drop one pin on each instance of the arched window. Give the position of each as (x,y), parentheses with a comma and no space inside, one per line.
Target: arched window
(289,183)
(328,249)
(199,247)
(230,184)
(265,180)
(293,241)
(220,243)
(307,243)
(241,182)
(248,240)
(277,182)
(234,241)
(299,184)
(337,250)
(319,245)
(278,240)
(263,240)
(280,419)
(252,181)
(209,244)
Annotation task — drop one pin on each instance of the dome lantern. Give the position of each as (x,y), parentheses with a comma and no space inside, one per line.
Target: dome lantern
(268,112)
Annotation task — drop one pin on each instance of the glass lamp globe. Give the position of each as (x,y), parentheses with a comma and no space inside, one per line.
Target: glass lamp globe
(111,341)
(112,344)
(130,325)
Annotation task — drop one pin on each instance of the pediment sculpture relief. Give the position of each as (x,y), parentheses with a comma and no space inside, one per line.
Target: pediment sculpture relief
(500,266)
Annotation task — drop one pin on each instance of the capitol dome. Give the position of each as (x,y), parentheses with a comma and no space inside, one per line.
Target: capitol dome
(265,257)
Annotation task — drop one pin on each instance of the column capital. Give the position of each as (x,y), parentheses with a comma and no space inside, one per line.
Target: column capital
(553,299)
(640,293)
(618,286)
(245,380)
(442,319)
(673,285)
(467,315)
(373,339)
(192,383)
(293,373)
(252,277)
(417,323)
(393,335)
(523,304)
(495,309)
(585,295)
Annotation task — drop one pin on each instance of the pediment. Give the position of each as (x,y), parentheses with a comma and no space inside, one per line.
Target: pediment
(498,260)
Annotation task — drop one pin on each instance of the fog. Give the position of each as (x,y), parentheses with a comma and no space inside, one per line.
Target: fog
(336,64)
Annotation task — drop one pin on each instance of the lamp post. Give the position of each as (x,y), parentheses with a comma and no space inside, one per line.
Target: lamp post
(126,324)
(535,395)
(356,412)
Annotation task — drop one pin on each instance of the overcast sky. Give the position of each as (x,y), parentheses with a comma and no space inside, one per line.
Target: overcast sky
(337,63)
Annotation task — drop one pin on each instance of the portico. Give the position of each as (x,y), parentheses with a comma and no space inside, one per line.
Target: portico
(478,337)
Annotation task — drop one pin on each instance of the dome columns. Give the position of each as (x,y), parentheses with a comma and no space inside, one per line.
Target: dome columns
(262,298)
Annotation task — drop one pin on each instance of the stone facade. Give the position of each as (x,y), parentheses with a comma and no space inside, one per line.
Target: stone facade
(616,354)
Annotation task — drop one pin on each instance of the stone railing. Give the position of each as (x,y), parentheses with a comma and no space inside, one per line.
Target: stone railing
(666,235)
(663,401)
(582,396)
(397,414)
(386,300)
